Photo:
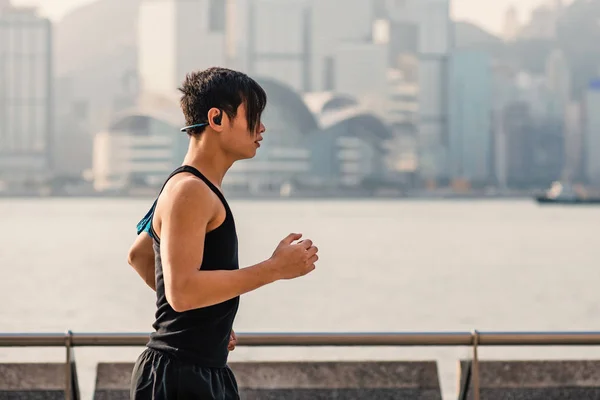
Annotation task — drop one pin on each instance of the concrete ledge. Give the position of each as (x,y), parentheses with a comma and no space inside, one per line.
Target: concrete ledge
(29,381)
(338,394)
(338,380)
(337,375)
(306,380)
(538,380)
(113,381)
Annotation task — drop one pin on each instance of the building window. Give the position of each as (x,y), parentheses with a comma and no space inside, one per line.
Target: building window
(216,14)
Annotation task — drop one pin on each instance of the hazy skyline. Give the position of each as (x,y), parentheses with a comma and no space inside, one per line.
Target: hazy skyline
(488,14)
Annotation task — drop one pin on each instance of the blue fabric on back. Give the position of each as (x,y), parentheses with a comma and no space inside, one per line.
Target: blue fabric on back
(146,223)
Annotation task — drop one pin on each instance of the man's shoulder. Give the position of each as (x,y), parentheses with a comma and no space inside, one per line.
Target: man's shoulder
(188,191)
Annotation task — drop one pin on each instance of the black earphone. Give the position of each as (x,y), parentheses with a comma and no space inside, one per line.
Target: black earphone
(217,120)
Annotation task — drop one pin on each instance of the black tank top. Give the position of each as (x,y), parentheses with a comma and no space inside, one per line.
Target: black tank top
(200,336)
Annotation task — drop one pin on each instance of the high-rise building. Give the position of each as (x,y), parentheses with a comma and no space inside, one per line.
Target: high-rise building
(558,80)
(296,41)
(592,133)
(403,19)
(337,26)
(504,92)
(424,27)
(518,125)
(176,37)
(549,154)
(470,113)
(435,43)
(403,99)
(26,98)
(271,39)
(401,114)
(361,71)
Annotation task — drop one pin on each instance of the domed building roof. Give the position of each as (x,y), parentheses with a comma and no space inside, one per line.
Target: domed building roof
(322,102)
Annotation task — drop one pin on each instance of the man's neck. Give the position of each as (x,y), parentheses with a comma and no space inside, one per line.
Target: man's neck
(211,162)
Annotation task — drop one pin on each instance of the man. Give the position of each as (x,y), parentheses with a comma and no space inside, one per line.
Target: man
(194,263)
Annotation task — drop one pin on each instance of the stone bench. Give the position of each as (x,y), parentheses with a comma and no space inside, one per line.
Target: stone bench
(537,380)
(36,381)
(306,380)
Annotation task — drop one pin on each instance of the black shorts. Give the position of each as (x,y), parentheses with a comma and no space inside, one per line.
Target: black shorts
(160,376)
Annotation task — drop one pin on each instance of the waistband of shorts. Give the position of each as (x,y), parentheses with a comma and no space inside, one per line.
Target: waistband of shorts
(185,357)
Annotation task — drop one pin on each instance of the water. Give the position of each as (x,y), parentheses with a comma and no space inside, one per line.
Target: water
(385,266)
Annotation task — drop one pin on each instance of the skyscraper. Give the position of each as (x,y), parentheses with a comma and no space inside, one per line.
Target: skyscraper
(336,26)
(592,133)
(470,111)
(26,99)
(176,37)
(297,41)
(558,79)
(435,43)
(272,39)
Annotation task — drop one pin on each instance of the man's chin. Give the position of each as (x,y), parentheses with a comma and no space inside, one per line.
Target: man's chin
(252,154)
(246,156)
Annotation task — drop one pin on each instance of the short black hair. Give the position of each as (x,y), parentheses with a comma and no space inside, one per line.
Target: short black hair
(224,89)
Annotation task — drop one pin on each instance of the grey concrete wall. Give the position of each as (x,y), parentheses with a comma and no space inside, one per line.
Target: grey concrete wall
(538,380)
(113,381)
(29,381)
(338,380)
(306,380)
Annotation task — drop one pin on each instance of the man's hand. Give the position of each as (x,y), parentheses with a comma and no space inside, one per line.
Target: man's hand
(294,260)
(232,341)
(141,258)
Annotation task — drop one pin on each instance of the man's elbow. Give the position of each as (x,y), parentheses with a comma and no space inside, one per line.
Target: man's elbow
(177,296)
(132,257)
(181,300)
(138,256)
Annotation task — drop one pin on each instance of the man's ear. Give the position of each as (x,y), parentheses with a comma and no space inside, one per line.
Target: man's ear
(215,119)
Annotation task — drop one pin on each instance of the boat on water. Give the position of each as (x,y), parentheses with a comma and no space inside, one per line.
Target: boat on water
(560,193)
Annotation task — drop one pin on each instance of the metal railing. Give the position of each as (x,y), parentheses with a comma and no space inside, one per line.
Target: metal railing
(473,339)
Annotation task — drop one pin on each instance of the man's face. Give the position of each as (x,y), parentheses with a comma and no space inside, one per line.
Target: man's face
(237,139)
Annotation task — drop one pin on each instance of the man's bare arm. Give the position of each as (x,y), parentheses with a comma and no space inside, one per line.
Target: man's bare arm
(187,211)
(141,258)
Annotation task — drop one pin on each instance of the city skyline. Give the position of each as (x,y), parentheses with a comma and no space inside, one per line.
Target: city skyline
(514,134)
(486,14)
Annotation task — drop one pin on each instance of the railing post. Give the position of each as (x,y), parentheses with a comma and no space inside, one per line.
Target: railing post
(68,367)
(475,372)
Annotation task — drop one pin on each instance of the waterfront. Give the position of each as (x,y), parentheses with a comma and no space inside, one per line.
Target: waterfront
(385,266)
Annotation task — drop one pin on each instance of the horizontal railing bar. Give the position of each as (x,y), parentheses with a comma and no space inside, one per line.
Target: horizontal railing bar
(539,338)
(320,339)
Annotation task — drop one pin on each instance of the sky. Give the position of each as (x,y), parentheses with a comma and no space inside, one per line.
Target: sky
(488,14)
